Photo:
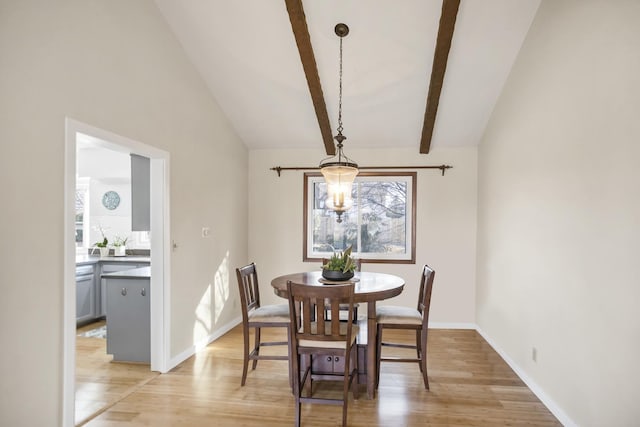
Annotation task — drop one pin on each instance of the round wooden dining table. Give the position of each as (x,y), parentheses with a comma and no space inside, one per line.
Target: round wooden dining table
(370,287)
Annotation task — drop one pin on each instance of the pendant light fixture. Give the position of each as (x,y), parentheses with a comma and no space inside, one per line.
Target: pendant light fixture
(339,171)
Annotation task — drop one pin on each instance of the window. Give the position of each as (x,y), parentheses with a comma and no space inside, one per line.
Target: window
(82,215)
(380,226)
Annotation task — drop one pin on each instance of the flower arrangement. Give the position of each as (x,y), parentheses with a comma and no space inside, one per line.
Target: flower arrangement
(104,242)
(119,241)
(119,244)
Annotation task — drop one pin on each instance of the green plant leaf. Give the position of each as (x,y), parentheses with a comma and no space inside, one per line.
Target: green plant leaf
(341,261)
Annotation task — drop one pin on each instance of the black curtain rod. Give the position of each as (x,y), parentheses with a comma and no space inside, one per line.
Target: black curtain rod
(279,169)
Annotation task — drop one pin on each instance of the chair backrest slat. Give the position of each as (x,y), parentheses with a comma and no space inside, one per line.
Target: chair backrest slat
(307,303)
(424,295)
(306,315)
(249,288)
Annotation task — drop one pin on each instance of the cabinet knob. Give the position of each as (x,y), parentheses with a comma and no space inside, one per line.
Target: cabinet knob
(328,358)
(337,359)
(124,291)
(144,292)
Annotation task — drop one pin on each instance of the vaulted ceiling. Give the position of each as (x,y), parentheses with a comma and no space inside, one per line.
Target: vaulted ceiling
(273,67)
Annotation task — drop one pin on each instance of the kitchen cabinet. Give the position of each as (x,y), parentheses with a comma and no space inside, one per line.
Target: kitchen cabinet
(85,294)
(111,267)
(140,193)
(91,298)
(128,323)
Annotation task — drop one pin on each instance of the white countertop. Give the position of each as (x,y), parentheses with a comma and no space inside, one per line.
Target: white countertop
(90,259)
(135,273)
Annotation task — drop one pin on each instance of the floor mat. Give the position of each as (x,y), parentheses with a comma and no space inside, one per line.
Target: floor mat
(100,332)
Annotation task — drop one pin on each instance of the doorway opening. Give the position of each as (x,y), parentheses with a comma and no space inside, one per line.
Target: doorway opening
(159,250)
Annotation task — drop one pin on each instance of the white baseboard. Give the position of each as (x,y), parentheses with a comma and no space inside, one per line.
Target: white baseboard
(535,388)
(190,351)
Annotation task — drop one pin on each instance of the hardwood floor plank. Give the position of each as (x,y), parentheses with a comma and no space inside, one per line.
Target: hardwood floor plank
(100,382)
(470,386)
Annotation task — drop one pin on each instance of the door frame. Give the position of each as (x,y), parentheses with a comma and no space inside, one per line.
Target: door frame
(160,253)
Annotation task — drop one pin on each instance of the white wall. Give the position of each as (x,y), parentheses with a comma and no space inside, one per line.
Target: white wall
(108,170)
(116,222)
(116,66)
(559,211)
(446,224)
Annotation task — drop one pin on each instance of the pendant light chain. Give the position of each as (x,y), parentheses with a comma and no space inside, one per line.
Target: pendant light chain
(340,96)
(339,175)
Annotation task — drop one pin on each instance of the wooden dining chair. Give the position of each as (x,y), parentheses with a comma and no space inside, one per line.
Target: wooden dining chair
(391,317)
(258,316)
(315,335)
(343,308)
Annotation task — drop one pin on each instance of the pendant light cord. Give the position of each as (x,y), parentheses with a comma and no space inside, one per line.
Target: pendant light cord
(341,31)
(340,95)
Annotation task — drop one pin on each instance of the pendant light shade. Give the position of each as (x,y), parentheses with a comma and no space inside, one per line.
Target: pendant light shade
(339,171)
(339,178)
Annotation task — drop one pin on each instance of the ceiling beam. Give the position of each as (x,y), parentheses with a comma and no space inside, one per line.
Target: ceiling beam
(301,33)
(440,57)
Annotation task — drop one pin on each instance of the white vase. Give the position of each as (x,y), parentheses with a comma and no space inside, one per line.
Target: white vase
(119,250)
(104,252)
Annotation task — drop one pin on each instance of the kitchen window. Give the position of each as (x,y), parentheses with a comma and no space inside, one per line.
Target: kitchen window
(82,215)
(380,225)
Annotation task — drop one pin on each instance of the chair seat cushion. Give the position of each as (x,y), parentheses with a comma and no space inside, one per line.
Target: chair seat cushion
(270,313)
(398,315)
(330,344)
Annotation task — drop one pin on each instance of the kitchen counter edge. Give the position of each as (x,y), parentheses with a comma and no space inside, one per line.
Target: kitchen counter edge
(87,259)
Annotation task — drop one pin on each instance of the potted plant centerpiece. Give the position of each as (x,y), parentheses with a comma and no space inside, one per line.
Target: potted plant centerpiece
(103,244)
(120,246)
(340,266)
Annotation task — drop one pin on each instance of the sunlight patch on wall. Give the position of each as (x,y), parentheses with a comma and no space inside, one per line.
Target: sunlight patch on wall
(211,305)
(202,326)
(221,287)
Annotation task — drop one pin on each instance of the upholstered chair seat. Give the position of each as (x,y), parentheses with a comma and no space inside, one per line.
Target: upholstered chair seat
(270,313)
(398,315)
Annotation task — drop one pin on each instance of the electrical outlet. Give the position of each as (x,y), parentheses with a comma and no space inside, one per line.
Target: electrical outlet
(534,354)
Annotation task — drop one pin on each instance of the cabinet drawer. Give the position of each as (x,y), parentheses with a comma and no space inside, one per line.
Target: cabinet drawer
(83,270)
(112,268)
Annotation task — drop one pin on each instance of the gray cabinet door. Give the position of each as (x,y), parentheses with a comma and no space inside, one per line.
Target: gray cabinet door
(85,298)
(140,193)
(111,267)
(128,322)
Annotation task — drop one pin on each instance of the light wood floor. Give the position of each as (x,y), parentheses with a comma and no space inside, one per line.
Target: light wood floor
(100,382)
(470,386)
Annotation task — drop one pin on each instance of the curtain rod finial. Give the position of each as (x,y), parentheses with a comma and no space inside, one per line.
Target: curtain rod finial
(278,169)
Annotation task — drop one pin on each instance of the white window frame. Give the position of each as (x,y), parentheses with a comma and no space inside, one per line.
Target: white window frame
(406,257)
(84,184)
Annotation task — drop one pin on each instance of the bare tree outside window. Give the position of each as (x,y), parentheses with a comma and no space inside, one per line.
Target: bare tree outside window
(379,226)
